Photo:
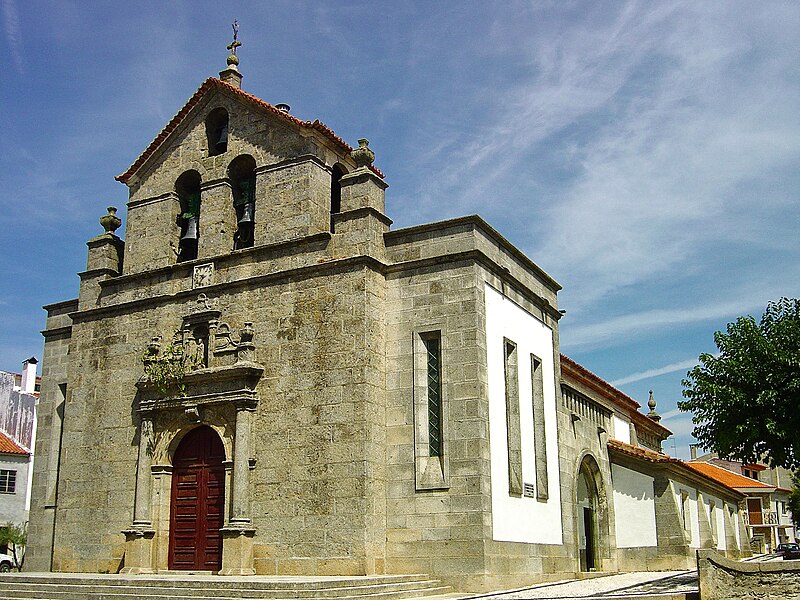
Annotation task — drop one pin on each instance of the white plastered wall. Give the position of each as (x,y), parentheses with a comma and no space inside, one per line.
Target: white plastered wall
(718,517)
(622,430)
(520,518)
(634,508)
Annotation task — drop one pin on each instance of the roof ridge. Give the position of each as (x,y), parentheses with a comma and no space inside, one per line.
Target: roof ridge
(173,124)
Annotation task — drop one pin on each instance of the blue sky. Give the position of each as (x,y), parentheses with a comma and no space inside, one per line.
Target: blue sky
(645,154)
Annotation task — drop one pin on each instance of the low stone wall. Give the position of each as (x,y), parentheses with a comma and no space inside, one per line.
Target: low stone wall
(725,579)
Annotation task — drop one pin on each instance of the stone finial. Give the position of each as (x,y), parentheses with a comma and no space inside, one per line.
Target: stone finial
(111,221)
(363,155)
(651,403)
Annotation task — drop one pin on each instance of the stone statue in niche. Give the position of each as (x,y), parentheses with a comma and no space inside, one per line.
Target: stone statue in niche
(196,348)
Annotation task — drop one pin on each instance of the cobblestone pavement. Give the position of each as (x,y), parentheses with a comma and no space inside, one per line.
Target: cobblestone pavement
(611,586)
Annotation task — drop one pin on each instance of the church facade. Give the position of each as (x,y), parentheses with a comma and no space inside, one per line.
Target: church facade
(265,378)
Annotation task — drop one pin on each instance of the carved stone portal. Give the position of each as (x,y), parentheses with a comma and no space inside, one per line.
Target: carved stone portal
(206,372)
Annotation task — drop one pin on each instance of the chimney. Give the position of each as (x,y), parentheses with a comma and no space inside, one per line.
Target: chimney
(693,451)
(28,384)
(283,107)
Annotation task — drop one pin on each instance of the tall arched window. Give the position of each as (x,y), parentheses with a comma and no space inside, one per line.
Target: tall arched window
(217,131)
(337,173)
(243,183)
(188,189)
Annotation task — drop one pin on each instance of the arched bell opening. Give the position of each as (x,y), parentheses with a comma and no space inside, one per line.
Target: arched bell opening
(337,173)
(242,175)
(187,187)
(197,502)
(217,131)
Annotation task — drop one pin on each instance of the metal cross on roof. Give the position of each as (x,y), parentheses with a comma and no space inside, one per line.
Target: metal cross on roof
(235,44)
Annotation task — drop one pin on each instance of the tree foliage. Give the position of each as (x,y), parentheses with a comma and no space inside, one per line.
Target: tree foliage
(746,400)
(15,537)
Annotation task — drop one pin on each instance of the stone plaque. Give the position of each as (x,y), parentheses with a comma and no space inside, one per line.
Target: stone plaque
(203,275)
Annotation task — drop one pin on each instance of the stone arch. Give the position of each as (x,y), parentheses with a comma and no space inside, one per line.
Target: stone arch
(217,123)
(187,188)
(242,175)
(173,432)
(337,172)
(591,515)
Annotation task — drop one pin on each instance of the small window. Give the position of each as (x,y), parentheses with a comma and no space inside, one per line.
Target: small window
(217,131)
(8,481)
(434,368)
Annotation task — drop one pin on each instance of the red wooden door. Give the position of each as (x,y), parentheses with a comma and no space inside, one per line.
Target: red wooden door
(197,502)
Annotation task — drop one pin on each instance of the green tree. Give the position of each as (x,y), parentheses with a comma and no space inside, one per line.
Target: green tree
(746,399)
(15,537)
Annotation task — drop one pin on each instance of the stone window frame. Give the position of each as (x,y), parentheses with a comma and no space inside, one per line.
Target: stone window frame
(513,424)
(430,472)
(8,481)
(539,428)
(686,513)
(712,520)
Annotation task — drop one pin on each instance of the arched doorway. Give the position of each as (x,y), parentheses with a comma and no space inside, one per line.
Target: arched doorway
(197,502)
(587,522)
(591,518)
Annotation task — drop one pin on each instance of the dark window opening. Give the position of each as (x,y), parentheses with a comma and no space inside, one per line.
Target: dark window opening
(433,359)
(8,481)
(336,191)
(217,131)
(243,183)
(188,189)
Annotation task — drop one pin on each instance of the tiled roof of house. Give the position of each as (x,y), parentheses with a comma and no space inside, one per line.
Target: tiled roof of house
(9,446)
(642,453)
(651,456)
(727,478)
(209,84)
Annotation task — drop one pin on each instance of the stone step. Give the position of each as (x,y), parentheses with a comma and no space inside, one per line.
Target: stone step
(114,587)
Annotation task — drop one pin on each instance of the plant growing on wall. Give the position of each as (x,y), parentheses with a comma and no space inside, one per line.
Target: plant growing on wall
(165,368)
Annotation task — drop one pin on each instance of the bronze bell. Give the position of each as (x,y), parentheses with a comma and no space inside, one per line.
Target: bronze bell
(222,139)
(190,233)
(247,214)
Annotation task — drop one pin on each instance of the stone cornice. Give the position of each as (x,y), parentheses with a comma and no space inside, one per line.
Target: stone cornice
(396,236)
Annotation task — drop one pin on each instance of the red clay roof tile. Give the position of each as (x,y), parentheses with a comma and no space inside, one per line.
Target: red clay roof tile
(207,85)
(9,446)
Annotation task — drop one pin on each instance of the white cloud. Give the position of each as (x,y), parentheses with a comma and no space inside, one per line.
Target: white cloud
(12,31)
(683,365)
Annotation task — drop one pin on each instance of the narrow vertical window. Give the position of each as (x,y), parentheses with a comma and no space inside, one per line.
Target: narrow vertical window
(539,436)
(431,463)
(434,368)
(513,435)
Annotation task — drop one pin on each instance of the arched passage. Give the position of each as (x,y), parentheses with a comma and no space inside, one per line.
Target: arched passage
(591,515)
(197,502)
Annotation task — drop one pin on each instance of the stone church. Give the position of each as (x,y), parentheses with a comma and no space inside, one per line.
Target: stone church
(265,378)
